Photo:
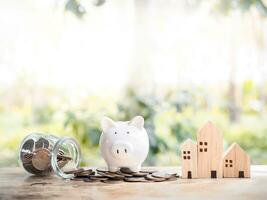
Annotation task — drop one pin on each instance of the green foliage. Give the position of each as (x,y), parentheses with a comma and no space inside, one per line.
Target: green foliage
(87,133)
(170,118)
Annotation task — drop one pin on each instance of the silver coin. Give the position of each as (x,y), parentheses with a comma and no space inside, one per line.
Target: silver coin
(111,181)
(162,174)
(126,170)
(102,169)
(135,179)
(154,179)
(98,177)
(139,174)
(148,170)
(72,171)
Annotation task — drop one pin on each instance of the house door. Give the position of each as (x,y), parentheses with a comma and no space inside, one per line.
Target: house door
(241,174)
(189,174)
(213,174)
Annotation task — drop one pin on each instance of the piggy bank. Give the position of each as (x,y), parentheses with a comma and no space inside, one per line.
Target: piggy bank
(124,144)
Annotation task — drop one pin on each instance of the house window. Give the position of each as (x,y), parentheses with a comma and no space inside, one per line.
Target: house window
(228,163)
(201,145)
(186,155)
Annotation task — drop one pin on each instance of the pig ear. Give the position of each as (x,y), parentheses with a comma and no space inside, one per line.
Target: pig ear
(138,122)
(107,123)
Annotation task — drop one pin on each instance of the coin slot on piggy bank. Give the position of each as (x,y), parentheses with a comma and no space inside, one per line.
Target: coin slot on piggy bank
(43,155)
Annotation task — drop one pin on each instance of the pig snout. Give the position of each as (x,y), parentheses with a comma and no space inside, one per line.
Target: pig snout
(121,149)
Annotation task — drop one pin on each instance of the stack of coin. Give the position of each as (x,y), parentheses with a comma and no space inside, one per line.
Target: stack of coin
(36,156)
(123,175)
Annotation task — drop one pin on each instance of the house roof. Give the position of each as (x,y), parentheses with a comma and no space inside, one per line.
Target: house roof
(188,142)
(233,147)
(208,128)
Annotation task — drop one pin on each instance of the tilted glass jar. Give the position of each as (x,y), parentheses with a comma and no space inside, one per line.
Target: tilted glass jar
(42,154)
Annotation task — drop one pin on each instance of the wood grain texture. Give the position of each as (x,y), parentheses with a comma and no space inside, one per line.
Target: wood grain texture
(236,161)
(189,159)
(15,183)
(210,151)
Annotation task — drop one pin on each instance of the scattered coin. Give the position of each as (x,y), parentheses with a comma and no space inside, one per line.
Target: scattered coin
(102,170)
(103,175)
(82,174)
(124,174)
(161,174)
(111,181)
(135,179)
(154,179)
(139,174)
(126,170)
(98,177)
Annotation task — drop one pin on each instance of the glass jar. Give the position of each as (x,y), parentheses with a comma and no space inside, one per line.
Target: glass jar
(42,155)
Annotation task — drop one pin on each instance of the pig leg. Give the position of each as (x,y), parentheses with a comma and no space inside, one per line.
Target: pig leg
(113,168)
(136,168)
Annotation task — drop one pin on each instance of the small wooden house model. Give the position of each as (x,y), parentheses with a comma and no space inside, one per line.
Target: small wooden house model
(206,159)
(236,163)
(210,152)
(189,159)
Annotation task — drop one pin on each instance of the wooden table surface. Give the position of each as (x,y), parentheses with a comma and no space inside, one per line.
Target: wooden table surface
(15,183)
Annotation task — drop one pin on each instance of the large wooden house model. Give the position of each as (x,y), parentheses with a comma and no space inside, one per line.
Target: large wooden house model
(206,159)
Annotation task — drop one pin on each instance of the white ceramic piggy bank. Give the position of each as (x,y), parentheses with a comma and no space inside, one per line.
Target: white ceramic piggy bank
(124,144)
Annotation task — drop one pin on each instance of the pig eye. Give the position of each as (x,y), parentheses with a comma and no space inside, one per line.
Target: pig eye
(128,132)
(115,132)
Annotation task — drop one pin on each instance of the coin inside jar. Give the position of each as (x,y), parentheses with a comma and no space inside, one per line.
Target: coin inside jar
(41,159)
(43,154)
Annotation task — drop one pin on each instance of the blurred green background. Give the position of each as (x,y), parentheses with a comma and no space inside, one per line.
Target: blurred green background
(66,64)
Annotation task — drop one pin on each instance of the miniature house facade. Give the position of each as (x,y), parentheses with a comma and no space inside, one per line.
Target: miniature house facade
(189,159)
(236,163)
(209,152)
(205,159)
